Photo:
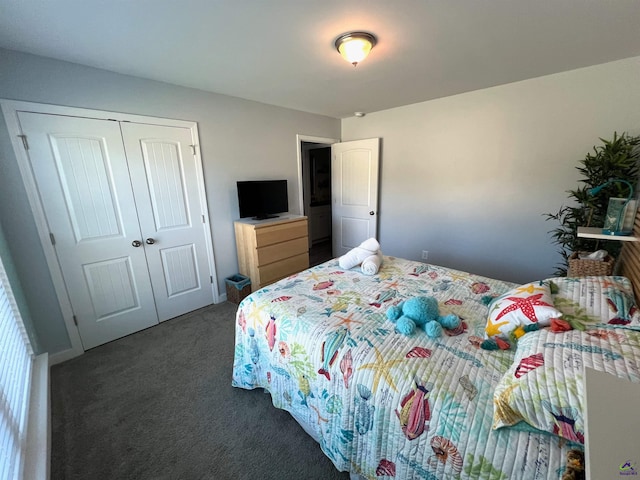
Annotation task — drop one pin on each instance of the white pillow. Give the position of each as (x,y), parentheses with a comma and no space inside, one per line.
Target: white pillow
(600,300)
(524,305)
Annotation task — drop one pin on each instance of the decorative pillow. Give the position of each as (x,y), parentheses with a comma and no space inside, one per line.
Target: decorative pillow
(544,385)
(604,300)
(524,305)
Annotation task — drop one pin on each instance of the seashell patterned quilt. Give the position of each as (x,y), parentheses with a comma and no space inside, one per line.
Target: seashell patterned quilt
(385,405)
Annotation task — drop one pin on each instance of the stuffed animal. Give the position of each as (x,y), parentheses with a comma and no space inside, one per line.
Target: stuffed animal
(421,312)
(575,466)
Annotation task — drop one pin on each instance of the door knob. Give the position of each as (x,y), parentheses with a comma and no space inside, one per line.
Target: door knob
(136,243)
(371,213)
(150,241)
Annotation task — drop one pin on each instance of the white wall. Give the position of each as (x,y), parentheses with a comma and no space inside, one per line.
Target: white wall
(241,140)
(468,177)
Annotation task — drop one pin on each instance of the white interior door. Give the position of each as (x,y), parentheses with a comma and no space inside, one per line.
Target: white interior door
(354,191)
(80,168)
(165,181)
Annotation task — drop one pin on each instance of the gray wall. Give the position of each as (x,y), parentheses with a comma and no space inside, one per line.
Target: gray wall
(468,177)
(240,140)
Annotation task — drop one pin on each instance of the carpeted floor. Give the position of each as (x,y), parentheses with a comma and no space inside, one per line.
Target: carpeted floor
(159,405)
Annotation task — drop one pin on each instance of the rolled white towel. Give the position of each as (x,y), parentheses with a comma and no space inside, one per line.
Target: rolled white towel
(370,244)
(371,264)
(354,257)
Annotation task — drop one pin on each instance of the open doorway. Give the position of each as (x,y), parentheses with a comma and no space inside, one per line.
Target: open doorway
(352,211)
(315,162)
(355,169)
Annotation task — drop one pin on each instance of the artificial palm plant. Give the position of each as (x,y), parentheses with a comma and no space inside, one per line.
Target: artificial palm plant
(613,159)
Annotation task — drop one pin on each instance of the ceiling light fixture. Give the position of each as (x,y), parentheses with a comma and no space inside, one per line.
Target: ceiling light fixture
(355,46)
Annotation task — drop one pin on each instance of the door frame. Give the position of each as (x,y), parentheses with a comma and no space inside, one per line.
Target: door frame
(10,109)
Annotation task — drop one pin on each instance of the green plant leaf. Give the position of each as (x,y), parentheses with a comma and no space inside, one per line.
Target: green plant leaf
(617,158)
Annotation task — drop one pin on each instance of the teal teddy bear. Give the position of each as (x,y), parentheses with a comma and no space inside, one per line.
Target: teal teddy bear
(421,312)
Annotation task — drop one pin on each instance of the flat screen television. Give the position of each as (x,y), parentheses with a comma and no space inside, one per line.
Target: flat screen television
(262,199)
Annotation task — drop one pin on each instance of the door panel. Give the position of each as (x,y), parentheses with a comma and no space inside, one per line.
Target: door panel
(165,180)
(80,168)
(82,165)
(354,187)
(167,191)
(182,269)
(111,287)
(354,231)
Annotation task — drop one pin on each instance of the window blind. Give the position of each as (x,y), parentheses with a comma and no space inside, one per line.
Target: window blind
(16,360)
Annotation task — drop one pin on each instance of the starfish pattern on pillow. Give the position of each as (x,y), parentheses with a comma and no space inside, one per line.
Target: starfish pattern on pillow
(526,304)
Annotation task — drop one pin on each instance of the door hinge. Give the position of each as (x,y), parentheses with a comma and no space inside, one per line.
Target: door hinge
(25,143)
(203,220)
(52,238)
(75,320)
(211,278)
(193,149)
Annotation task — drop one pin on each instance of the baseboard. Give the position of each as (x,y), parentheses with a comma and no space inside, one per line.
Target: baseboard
(38,451)
(63,356)
(70,353)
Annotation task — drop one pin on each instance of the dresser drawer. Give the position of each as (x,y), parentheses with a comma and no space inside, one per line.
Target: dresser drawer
(270,234)
(280,251)
(272,249)
(275,271)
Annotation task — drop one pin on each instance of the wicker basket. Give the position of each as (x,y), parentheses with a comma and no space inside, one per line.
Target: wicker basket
(582,267)
(238,287)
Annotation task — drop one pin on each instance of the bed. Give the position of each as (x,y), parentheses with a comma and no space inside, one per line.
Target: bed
(386,405)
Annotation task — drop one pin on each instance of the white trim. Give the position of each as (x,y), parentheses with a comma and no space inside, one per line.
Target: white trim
(14,105)
(38,450)
(63,356)
(10,109)
(195,138)
(307,138)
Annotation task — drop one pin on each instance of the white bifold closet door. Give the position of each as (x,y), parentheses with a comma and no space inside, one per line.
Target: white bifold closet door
(122,204)
(164,175)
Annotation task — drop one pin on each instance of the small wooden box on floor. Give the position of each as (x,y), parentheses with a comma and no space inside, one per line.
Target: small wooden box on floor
(269,250)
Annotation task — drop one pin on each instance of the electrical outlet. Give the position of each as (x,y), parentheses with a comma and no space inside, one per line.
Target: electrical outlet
(425,254)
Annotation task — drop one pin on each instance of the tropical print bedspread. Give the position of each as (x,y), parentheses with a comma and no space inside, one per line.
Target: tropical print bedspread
(544,386)
(382,404)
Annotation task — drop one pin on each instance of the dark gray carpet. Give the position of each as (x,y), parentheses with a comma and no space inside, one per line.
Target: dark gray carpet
(159,405)
(320,253)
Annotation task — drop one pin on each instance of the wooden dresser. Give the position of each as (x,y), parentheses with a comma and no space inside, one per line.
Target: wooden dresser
(269,250)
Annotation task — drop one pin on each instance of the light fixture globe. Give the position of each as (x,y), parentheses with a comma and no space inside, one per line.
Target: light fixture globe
(355,46)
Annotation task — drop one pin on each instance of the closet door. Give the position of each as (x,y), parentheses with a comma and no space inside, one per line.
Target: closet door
(81,172)
(165,180)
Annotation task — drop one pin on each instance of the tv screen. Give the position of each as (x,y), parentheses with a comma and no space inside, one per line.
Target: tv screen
(262,199)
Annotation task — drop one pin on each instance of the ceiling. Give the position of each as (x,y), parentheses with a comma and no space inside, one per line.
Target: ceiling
(281,52)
